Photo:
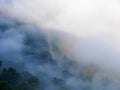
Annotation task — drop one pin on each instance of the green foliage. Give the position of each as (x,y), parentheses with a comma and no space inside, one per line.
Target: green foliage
(63,88)
(4,85)
(10,75)
(33,82)
(1,64)
(11,79)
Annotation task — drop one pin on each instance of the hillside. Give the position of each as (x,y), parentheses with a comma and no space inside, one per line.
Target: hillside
(28,53)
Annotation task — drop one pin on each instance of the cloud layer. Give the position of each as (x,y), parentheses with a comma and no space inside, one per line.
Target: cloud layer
(96,24)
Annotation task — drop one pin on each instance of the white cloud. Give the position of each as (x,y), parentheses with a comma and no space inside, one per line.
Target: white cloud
(81,18)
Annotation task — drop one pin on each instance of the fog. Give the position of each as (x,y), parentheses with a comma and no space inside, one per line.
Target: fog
(78,17)
(84,33)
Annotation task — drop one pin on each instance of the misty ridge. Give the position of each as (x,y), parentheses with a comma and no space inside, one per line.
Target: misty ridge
(28,48)
(59,45)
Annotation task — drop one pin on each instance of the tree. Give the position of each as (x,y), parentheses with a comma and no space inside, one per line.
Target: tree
(33,82)
(1,63)
(11,79)
(4,85)
(11,75)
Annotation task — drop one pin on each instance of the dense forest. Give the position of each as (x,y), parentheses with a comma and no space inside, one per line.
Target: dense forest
(11,79)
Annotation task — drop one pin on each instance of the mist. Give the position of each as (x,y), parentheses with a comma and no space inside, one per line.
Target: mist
(50,37)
